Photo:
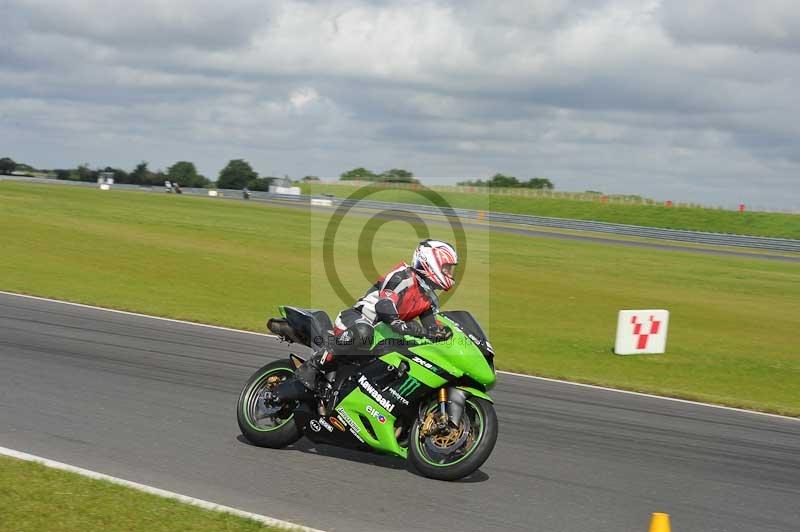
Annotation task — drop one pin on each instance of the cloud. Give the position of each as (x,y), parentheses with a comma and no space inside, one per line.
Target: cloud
(148,24)
(762,25)
(674,99)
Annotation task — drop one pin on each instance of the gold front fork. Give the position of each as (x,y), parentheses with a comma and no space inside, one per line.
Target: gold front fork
(442,421)
(436,421)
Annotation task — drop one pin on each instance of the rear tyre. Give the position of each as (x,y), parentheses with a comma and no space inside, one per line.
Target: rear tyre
(276,430)
(460,453)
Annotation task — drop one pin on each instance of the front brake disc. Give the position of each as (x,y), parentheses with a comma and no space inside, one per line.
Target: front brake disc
(447,443)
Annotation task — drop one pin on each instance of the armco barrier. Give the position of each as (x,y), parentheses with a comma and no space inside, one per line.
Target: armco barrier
(695,237)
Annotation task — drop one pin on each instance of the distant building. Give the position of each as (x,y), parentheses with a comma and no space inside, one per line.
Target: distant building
(105,178)
(283,185)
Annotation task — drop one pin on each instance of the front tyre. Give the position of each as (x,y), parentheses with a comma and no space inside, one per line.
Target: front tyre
(459,452)
(260,425)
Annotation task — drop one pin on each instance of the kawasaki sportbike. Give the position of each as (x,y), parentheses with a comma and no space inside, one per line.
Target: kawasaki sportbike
(415,399)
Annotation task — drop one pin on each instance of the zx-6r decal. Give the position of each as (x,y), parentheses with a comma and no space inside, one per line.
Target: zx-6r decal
(427,365)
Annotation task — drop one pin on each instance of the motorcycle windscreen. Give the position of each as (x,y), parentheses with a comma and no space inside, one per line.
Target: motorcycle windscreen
(469,327)
(468,323)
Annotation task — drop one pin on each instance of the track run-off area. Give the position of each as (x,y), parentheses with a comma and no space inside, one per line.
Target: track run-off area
(153,401)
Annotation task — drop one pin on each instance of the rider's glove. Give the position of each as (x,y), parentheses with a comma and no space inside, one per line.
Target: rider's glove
(409,328)
(438,333)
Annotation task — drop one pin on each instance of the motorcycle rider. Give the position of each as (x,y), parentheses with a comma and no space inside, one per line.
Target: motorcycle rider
(397,299)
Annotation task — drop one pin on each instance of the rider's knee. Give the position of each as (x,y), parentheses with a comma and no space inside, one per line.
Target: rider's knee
(356,339)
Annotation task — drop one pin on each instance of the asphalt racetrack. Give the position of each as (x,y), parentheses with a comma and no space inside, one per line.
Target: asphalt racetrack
(153,401)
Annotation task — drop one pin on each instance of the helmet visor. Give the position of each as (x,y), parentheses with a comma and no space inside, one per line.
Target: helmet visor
(449,270)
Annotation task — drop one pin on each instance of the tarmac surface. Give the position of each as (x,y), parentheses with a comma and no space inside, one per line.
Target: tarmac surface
(153,401)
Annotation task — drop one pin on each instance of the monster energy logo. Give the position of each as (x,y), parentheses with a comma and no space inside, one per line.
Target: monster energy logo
(409,386)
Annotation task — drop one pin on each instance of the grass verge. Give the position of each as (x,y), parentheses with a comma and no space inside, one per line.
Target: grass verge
(34,498)
(690,218)
(549,305)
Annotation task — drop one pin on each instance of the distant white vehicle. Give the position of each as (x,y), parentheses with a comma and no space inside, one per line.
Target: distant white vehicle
(294,191)
(105,180)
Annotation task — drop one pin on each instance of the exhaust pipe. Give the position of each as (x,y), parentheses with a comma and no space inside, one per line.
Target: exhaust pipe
(281,327)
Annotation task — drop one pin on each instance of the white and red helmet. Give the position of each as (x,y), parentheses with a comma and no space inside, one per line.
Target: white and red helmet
(437,261)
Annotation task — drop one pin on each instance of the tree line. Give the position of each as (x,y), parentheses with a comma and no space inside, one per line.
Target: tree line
(239,174)
(509,181)
(399,175)
(395,175)
(183,172)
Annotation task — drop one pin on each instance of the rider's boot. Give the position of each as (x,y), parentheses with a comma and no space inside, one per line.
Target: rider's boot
(310,375)
(273,400)
(309,371)
(304,384)
(288,391)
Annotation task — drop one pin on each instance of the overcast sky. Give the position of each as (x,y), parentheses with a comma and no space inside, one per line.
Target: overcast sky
(693,100)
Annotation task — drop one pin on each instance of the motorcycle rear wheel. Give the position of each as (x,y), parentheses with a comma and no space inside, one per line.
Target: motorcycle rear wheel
(274,431)
(466,457)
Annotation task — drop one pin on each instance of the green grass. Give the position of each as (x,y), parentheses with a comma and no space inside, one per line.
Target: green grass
(549,305)
(35,498)
(691,218)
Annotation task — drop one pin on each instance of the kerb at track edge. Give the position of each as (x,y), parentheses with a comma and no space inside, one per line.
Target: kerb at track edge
(206,505)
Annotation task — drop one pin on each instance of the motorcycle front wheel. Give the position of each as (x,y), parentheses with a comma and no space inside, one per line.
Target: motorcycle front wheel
(260,424)
(458,452)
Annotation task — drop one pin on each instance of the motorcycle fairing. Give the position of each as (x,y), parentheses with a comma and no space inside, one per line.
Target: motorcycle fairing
(372,398)
(459,356)
(304,416)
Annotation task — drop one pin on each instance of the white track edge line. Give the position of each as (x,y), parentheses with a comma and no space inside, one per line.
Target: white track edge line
(522,375)
(642,394)
(207,505)
(128,313)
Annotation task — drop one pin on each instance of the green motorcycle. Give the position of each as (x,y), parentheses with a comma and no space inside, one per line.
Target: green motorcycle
(415,399)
